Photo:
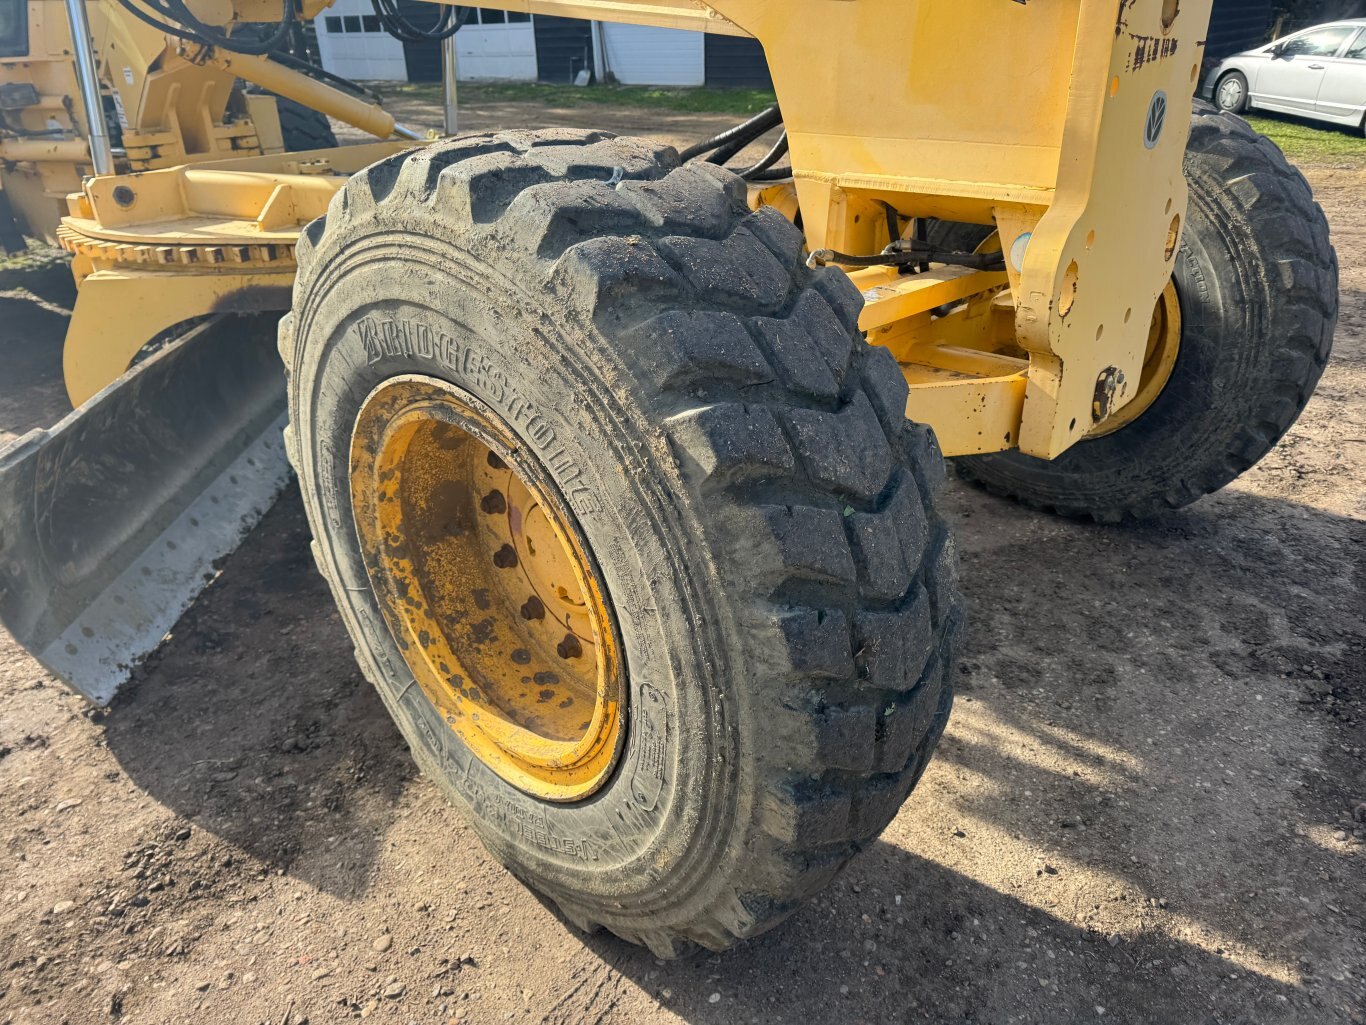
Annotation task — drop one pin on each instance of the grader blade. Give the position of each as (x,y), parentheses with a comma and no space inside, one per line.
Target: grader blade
(112,521)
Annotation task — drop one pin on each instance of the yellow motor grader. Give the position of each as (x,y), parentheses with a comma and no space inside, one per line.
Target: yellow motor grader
(622,462)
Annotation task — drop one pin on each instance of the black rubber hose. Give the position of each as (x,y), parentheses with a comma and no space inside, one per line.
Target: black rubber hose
(323,75)
(769,159)
(749,130)
(777,174)
(184,25)
(978,261)
(449,21)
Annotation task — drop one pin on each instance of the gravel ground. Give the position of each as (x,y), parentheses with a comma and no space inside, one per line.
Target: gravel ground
(1142,810)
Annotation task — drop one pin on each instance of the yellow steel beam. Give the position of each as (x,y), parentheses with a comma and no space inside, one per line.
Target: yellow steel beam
(316,95)
(890,296)
(681,14)
(973,400)
(119,311)
(222,200)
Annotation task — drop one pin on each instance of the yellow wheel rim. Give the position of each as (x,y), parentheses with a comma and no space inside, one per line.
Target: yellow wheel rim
(488,587)
(1164,343)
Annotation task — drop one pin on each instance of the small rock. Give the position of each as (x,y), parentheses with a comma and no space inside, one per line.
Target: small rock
(63,906)
(223,777)
(289,745)
(1113,939)
(183,834)
(394,990)
(203,986)
(70,802)
(321,973)
(1359,812)
(715,998)
(381,943)
(1340,835)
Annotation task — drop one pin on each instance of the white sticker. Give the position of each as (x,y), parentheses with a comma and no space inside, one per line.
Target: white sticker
(118,107)
(128,75)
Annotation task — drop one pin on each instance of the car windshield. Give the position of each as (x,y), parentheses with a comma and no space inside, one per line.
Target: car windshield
(1357,51)
(1319,42)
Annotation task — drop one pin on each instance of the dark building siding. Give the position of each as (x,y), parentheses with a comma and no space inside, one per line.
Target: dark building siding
(423,60)
(732,61)
(564,47)
(1237,25)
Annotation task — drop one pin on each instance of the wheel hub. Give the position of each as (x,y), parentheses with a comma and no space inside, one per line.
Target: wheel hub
(1164,342)
(488,587)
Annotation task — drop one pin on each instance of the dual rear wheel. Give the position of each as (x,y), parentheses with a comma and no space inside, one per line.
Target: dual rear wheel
(630,529)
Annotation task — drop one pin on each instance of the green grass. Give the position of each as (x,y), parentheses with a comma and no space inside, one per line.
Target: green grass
(1312,142)
(688,101)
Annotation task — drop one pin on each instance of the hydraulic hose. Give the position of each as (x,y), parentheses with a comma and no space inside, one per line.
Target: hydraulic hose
(744,133)
(770,158)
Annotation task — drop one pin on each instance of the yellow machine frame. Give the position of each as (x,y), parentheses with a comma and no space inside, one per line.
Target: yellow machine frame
(204,218)
(1034,121)
(1030,117)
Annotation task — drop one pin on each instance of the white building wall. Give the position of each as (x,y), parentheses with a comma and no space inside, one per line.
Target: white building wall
(352,44)
(639,55)
(495,46)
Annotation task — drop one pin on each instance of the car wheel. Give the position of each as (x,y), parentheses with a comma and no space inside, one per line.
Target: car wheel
(1230,94)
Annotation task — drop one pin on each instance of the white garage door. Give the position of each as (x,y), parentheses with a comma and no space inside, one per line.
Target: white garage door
(352,44)
(639,55)
(497,44)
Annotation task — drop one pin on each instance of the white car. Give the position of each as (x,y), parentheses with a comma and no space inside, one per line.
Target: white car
(1318,73)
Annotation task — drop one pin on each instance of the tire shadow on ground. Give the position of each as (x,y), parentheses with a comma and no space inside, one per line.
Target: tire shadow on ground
(900,938)
(253,721)
(1109,682)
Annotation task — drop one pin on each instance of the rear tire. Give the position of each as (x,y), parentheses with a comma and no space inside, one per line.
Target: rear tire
(304,128)
(1257,280)
(737,460)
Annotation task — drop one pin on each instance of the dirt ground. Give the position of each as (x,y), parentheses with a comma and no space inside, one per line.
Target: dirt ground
(1142,810)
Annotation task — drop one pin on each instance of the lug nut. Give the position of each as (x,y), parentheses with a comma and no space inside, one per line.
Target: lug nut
(569,647)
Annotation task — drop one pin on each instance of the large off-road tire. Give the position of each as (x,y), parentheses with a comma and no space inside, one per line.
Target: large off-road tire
(303,128)
(729,449)
(1257,282)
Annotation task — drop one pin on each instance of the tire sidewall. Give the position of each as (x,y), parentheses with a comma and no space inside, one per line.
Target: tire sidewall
(633,839)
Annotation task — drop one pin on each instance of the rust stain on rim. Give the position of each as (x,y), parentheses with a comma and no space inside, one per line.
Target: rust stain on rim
(1164,344)
(488,587)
